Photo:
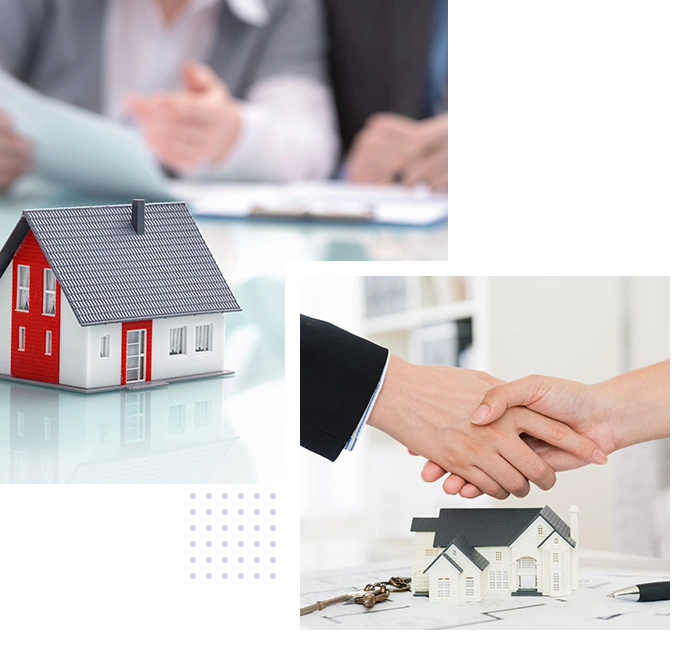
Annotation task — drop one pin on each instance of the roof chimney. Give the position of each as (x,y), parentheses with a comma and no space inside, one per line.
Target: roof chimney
(138,219)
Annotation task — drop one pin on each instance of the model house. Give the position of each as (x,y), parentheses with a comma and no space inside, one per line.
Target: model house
(102,297)
(467,554)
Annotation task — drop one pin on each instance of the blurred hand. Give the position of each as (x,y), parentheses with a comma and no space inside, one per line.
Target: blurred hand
(392,146)
(383,148)
(429,166)
(189,128)
(418,406)
(16,153)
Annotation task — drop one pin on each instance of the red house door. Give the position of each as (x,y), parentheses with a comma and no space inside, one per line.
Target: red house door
(136,352)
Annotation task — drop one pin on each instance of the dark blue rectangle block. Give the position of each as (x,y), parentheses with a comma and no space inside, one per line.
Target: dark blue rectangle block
(237,542)
(568,130)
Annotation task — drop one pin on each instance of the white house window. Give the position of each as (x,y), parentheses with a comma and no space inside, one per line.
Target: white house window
(203,413)
(23,283)
(498,556)
(49,292)
(556,582)
(177,341)
(177,418)
(505,579)
(539,529)
(104,346)
(443,587)
(203,338)
(20,424)
(47,428)
(470,587)
(492,580)
(555,557)
(454,552)
(428,552)
(499,579)
(22,339)
(48,343)
(556,540)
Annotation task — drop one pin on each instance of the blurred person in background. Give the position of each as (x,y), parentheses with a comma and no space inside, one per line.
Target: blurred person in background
(389,69)
(233,89)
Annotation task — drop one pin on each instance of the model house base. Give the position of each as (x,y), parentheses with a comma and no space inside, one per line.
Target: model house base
(99,298)
(132,387)
(468,554)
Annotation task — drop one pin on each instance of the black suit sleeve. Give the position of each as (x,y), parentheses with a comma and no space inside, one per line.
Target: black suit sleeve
(339,373)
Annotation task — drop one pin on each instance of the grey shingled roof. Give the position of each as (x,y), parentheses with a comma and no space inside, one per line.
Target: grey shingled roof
(109,273)
(489,526)
(424,524)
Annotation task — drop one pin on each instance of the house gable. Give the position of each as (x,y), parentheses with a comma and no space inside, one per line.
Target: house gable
(556,541)
(533,534)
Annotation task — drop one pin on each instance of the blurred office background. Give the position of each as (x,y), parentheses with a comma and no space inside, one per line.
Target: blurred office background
(589,329)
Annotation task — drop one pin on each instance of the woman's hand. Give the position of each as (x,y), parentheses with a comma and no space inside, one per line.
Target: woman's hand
(620,412)
(419,406)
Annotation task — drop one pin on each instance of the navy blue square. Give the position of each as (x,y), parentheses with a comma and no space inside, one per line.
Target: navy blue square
(237,542)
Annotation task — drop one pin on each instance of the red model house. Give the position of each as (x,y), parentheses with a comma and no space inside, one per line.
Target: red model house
(97,298)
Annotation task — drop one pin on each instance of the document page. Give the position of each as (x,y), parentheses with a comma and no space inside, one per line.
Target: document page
(80,148)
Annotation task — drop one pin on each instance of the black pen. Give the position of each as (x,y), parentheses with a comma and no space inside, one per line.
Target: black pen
(645,592)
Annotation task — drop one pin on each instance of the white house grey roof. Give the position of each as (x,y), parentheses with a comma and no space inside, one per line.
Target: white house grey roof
(110,273)
(487,526)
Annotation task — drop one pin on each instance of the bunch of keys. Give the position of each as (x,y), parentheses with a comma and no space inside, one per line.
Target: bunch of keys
(368,596)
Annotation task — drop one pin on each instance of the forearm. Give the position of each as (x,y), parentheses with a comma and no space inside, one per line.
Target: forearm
(637,404)
(288,132)
(424,398)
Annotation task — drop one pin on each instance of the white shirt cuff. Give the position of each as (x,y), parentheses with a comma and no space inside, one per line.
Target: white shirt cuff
(352,441)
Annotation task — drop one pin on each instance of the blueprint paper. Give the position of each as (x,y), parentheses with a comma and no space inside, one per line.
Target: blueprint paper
(80,148)
(587,608)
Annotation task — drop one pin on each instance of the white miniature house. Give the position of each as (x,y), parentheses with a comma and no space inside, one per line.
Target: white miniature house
(468,554)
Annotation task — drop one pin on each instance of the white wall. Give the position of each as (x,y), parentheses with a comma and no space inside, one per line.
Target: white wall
(103,372)
(6,308)
(73,350)
(165,366)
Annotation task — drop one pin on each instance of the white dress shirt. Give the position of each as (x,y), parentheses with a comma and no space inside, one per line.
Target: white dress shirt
(289,127)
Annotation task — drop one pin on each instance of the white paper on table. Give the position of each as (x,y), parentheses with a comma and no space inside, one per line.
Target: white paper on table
(387,204)
(80,148)
(587,608)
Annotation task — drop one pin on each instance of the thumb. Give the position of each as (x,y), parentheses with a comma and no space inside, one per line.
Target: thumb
(501,397)
(198,77)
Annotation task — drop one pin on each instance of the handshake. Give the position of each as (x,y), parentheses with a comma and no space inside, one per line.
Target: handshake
(494,437)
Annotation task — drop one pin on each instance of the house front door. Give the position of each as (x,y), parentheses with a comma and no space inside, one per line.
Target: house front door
(136,343)
(527,573)
(136,352)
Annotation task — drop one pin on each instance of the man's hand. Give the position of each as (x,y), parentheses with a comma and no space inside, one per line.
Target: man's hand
(394,147)
(196,126)
(383,148)
(418,406)
(430,166)
(16,153)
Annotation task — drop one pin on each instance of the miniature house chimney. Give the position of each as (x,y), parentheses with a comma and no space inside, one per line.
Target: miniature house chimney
(573,512)
(138,218)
